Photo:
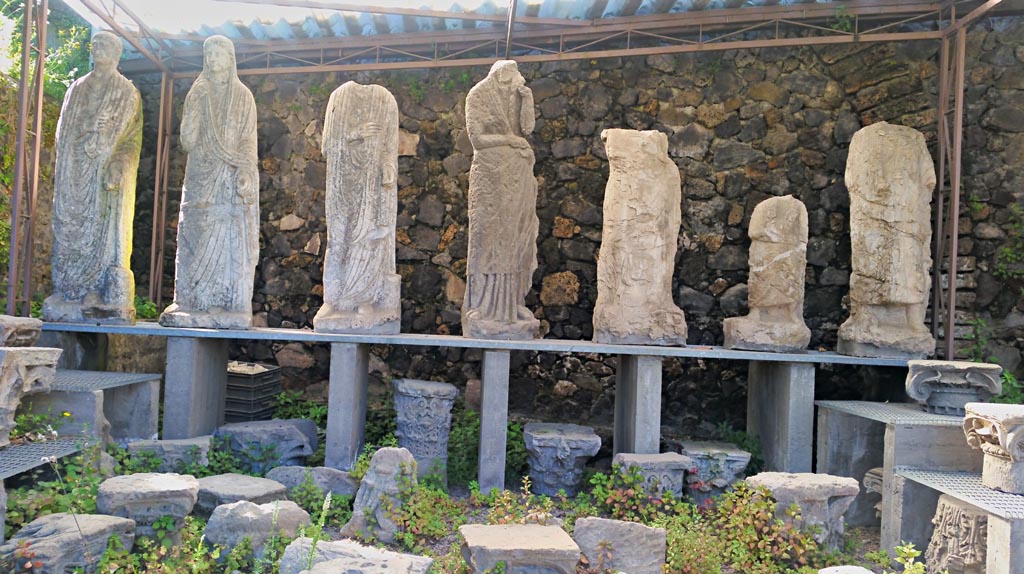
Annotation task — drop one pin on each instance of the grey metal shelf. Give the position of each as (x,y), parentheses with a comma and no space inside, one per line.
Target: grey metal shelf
(70,380)
(968,488)
(891,413)
(19,458)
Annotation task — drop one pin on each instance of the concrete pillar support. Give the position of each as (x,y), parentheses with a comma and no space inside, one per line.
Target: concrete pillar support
(346,404)
(638,405)
(493,419)
(195,386)
(780,412)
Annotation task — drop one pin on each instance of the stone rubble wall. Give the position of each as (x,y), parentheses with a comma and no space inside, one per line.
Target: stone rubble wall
(743,126)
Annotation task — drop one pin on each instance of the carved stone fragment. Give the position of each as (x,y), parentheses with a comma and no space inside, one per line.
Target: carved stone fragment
(23,371)
(360,143)
(998,431)
(65,542)
(146,497)
(619,546)
(290,441)
(642,215)
(891,177)
(823,500)
(334,556)
(944,387)
(218,224)
(556,454)
(665,471)
(718,466)
(502,208)
(778,264)
(959,543)
(873,482)
(232,523)
(99,139)
(424,417)
(389,469)
(19,331)
(523,548)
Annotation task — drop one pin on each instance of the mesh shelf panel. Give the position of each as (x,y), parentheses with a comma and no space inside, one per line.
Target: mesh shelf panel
(19,458)
(968,488)
(68,380)
(894,413)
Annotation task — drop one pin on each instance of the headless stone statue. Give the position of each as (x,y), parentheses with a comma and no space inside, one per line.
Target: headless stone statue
(891,178)
(642,215)
(361,288)
(99,138)
(778,263)
(502,208)
(218,227)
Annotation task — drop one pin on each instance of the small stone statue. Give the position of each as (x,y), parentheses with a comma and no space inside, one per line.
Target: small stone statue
(502,208)
(778,263)
(360,142)
(891,178)
(99,138)
(959,543)
(218,227)
(642,215)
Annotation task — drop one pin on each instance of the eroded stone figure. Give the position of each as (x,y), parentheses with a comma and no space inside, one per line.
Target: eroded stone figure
(642,215)
(390,469)
(778,264)
(959,541)
(99,138)
(218,226)
(360,142)
(502,208)
(891,178)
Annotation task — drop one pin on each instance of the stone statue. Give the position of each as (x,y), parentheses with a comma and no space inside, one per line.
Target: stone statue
(99,138)
(502,208)
(642,215)
(891,178)
(218,228)
(778,265)
(361,288)
(959,541)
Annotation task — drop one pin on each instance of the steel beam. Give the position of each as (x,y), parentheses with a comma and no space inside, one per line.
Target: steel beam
(19,158)
(954,192)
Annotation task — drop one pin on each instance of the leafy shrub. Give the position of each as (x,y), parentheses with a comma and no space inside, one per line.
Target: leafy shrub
(622,495)
(73,490)
(425,514)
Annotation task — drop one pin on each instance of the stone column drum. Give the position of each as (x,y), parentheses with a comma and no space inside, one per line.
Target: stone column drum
(778,266)
(945,387)
(556,454)
(890,175)
(642,215)
(998,431)
(424,410)
(960,539)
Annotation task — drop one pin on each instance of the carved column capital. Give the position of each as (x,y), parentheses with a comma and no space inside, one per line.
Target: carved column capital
(944,387)
(998,431)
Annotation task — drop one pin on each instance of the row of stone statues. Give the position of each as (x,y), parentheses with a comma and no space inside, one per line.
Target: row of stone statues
(889,175)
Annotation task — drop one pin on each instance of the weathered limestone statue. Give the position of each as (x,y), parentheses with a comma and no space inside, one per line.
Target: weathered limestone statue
(778,264)
(502,208)
(360,142)
(642,215)
(945,387)
(959,542)
(998,431)
(23,371)
(423,418)
(890,176)
(218,228)
(99,138)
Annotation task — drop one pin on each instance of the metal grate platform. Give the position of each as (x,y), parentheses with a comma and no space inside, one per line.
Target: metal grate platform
(19,458)
(891,413)
(68,380)
(968,488)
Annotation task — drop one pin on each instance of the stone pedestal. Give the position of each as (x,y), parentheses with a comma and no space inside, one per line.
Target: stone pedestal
(493,420)
(618,546)
(958,544)
(998,431)
(665,472)
(424,417)
(23,370)
(195,389)
(146,497)
(945,387)
(522,548)
(227,488)
(233,522)
(346,404)
(718,466)
(556,454)
(823,500)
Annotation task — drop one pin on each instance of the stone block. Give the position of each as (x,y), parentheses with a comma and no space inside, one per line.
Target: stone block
(19,331)
(145,497)
(332,480)
(945,387)
(822,498)
(424,417)
(133,411)
(958,544)
(227,488)
(998,431)
(23,370)
(523,548)
(556,454)
(87,417)
(845,570)
(231,523)
(617,546)
(719,465)
(390,469)
(349,556)
(266,444)
(64,542)
(665,471)
(174,454)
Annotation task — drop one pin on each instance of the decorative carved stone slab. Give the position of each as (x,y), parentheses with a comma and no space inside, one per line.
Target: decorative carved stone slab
(823,500)
(998,431)
(218,224)
(523,548)
(23,371)
(778,266)
(642,215)
(556,454)
(873,483)
(959,543)
(665,471)
(19,331)
(944,387)
(718,466)
(389,469)
(502,208)
(360,142)
(424,417)
(98,146)
(891,177)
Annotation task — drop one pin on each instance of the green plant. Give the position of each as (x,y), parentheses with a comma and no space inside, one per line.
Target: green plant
(128,463)
(163,528)
(416,91)
(451,562)
(507,507)
(73,490)
(979,337)
(362,463)
(464,448)
(424,514)
(192,556)
(622,495)
(241,558)
(906,556)
(1009,264)
(844,21)
(310,498)
(1013,390)
(37,427)
(292,405)
(316,531)
(145,309)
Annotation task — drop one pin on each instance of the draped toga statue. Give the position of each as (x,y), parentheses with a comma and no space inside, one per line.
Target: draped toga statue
(502,208)
(361,288)
(218,226)
(99,138)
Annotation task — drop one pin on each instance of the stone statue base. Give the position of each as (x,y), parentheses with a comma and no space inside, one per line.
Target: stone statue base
(866,349)
(382,319)
(675,339)
(113,304)
(499,330)
(752,335)
(175,316)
